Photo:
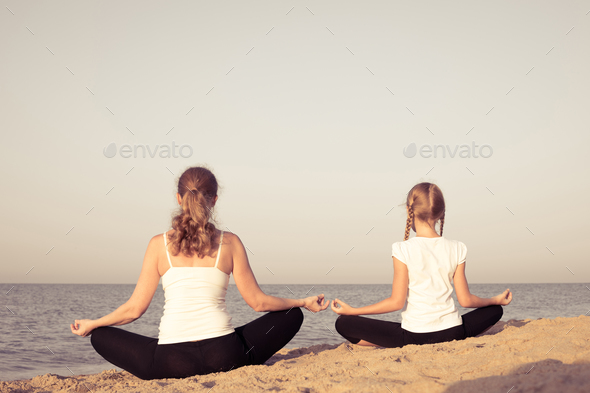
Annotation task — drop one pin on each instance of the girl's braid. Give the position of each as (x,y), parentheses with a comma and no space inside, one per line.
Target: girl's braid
(409,222)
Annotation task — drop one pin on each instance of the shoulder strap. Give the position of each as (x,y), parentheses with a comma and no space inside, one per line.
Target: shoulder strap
(219,250)
(167,253)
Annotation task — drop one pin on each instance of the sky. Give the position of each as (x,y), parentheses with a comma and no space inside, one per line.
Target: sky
(316,118)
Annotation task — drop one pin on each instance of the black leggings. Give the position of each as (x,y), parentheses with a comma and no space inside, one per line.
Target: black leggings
(253,343)
(391,335)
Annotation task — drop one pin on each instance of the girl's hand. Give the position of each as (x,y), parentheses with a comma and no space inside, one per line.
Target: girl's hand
(344,308)
(82,327)
(316,303)
(504,298)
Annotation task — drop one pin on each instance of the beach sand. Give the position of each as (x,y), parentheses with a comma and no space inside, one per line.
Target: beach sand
(544,355)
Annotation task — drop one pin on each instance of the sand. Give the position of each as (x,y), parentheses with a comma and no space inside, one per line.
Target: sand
(544,355)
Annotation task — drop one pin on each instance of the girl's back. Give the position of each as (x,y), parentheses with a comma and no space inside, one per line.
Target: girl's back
(426,270)
(431,263)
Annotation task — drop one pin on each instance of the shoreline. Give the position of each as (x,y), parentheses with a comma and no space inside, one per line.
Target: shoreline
(542,355)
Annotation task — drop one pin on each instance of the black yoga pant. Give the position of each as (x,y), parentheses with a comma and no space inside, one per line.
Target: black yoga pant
(391,335)
(253,343)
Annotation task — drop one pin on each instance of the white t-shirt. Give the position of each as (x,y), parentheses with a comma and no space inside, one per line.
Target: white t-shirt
(431,265)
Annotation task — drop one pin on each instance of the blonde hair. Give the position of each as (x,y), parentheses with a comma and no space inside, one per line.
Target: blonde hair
(194,231)
(426,202)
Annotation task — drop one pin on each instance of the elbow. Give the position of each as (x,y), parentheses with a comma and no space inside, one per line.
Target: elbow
(135,316)
(464,302)
(259,306)
(135,313)
(397,304)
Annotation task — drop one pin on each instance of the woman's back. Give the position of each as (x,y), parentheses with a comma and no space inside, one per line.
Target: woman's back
(194,261)
(194,302)
(431,263)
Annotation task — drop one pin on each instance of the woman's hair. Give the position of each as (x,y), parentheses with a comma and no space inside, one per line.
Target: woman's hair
(425,202)
(193,230)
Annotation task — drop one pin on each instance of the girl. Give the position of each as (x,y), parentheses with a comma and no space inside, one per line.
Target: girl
(195,260)
(424,268)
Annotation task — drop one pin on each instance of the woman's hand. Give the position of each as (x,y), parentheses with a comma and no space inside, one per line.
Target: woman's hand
(316,303)
(343,309)
(504,298)
(83,327)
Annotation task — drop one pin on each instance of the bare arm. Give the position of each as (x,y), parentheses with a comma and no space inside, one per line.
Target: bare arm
(139,301)
(396,301)
(468,300)
(251,292)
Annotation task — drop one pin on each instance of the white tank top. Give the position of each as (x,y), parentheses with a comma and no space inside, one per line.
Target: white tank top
(194,306)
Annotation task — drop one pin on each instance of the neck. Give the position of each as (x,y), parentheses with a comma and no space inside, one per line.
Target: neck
(425,229)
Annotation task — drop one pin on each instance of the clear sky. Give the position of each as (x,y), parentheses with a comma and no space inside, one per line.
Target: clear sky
(303,111)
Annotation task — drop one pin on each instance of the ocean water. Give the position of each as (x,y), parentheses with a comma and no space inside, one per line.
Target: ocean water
(35,336)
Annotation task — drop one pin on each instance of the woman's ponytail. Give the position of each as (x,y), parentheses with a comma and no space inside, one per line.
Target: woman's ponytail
(194,231)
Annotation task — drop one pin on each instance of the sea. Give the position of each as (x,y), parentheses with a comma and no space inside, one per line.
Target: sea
(35,336)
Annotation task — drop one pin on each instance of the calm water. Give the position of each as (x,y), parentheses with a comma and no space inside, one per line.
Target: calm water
(35,337)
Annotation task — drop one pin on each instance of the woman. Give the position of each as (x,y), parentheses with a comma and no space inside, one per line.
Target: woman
(195,260)
(426,268)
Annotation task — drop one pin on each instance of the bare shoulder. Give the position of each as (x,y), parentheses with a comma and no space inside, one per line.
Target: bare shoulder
(157,241)
(159,238)
(234,245)
(230,239)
